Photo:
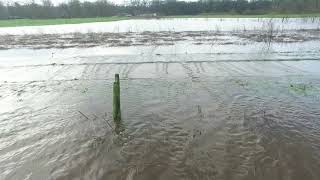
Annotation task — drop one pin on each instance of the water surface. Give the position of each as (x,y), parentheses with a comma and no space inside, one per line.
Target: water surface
(224,111)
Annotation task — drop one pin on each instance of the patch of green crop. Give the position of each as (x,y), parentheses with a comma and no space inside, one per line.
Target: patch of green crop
(43,22)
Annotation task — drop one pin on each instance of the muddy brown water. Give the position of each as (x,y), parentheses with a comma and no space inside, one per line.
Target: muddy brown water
(225,112)
(196,127)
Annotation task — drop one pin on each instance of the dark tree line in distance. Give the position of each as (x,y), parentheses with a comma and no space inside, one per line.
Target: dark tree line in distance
(103,8)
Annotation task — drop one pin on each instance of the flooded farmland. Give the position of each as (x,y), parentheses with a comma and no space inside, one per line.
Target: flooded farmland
(225,99)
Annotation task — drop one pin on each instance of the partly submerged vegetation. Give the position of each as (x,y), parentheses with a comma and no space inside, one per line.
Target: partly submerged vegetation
(267,34)
(301,88)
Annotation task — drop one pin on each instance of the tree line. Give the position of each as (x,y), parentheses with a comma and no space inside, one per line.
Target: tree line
(104,8)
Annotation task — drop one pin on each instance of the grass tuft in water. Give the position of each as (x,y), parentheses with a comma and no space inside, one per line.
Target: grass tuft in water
(301,88)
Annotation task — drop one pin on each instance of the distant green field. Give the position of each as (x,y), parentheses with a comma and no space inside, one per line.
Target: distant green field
(42,22)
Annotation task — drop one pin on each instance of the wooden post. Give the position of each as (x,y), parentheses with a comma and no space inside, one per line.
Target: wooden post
(116,99)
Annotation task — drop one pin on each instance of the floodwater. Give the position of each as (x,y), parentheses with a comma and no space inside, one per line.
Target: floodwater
(178,25)
(225,111)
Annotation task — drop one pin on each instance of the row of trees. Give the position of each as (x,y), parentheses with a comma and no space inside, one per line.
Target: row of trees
(46,9)
(102,8)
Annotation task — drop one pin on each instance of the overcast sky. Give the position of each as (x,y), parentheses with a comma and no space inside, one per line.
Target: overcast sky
(60,1)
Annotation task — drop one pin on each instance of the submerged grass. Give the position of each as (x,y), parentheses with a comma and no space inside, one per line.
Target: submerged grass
(303,89)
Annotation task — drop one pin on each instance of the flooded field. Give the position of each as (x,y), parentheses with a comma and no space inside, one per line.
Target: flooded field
(201,99)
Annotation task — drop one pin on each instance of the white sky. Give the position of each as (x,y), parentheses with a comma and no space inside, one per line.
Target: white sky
(60,1)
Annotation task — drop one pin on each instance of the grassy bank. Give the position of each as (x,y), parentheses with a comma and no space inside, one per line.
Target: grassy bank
(42,22)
